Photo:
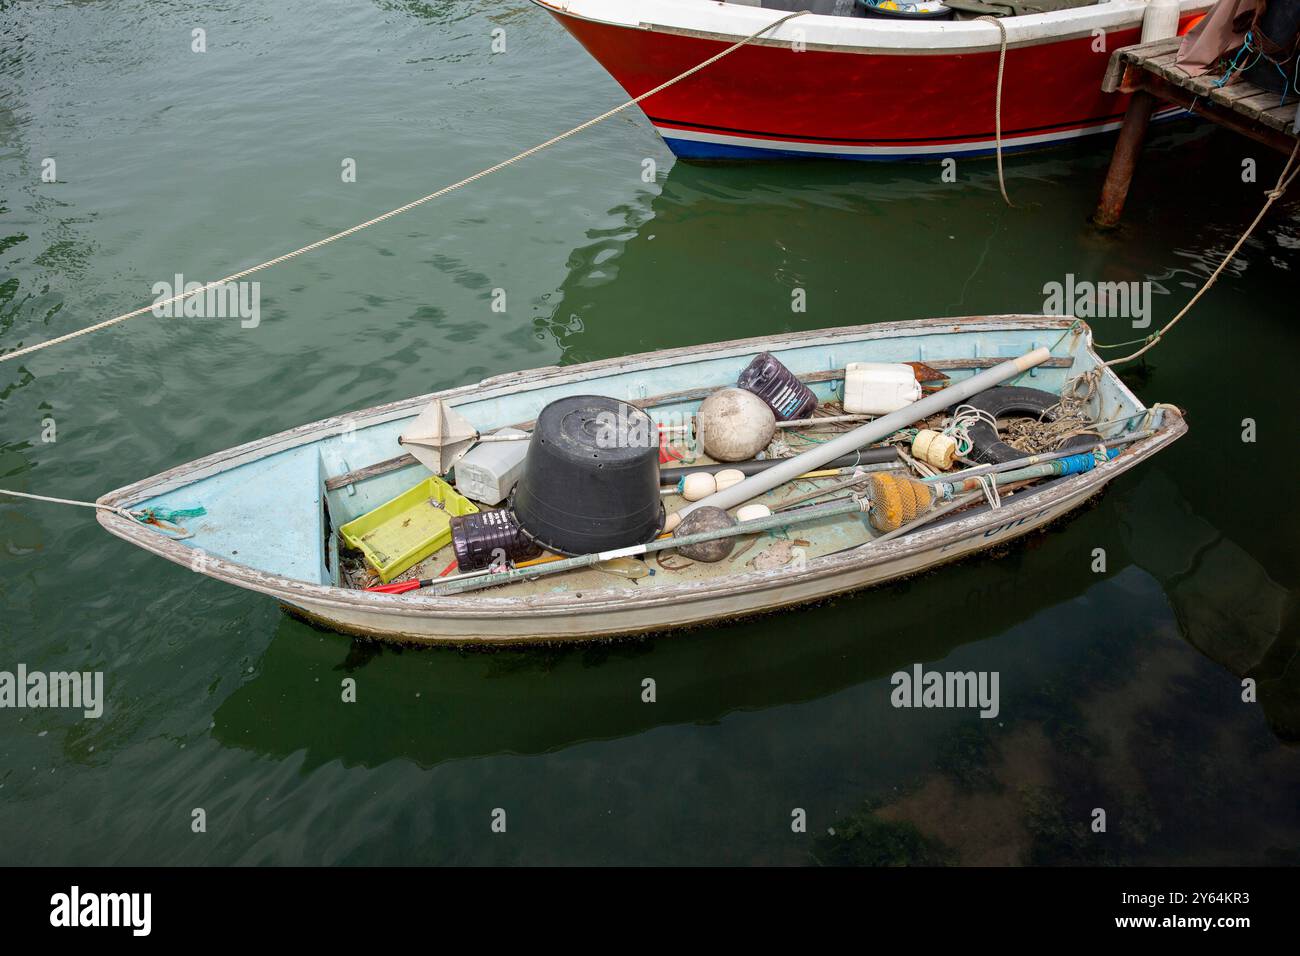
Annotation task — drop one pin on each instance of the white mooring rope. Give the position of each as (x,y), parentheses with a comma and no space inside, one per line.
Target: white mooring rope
(1284,179)
(410,205)
(67,501)
(997,102)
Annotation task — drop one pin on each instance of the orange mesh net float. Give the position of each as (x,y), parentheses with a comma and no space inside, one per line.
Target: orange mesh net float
(896,500)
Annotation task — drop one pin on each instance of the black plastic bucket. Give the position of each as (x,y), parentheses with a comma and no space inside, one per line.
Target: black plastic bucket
(591,479)
(484,536)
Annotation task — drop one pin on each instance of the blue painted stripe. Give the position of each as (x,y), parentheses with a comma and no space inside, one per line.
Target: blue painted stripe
(695,149)
(699,149)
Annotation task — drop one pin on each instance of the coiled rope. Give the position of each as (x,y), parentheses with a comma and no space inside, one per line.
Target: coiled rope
(963,418)
(234,277)
(1068,419)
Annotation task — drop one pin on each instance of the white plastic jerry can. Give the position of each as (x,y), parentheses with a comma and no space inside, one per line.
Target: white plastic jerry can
(878,388)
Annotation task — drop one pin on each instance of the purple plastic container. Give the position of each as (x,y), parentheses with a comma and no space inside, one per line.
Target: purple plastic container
(481,537)
(775,384)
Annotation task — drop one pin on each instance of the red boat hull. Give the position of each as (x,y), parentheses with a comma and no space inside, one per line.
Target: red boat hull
(766,101)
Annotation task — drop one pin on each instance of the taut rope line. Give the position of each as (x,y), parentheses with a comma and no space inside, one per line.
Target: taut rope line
(66,501)
(410,205)
(160,518)
(1283,181)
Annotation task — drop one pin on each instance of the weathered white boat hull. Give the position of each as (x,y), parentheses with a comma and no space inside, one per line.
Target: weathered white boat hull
(304,577)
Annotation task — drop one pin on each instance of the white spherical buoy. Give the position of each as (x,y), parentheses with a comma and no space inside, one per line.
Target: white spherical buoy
(728,477)
(753,512)
(697,486)
(673,521)
(735,425)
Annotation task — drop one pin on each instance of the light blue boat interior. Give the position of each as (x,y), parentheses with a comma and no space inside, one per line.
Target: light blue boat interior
(272,514)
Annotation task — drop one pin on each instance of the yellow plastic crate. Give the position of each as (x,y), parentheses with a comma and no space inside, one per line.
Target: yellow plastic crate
(406,530)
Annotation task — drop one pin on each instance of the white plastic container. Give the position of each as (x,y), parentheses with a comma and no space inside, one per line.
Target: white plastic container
(489,471)
(878,388)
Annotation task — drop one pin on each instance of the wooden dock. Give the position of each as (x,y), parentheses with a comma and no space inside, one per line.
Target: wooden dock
(1148,72)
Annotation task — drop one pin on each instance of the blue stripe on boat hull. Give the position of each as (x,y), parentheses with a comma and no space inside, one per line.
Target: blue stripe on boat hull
(695,149)
(718,149)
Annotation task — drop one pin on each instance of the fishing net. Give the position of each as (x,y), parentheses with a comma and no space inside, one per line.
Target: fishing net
(1056,425)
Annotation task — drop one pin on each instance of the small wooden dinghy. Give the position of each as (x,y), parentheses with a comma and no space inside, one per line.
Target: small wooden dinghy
(273,507)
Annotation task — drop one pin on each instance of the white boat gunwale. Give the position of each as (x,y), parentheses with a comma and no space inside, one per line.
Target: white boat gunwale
(593,602)
(728,22)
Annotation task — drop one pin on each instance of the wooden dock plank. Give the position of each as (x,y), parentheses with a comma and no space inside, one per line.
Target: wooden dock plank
(1160,59)
(1203,85)
(1164,61)
(1281,118)
(1257,101)
(1153,49)
(1136,55)
(1114,73)
(1229,95)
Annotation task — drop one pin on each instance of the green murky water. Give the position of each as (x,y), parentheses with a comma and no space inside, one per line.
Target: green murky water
(1119,690)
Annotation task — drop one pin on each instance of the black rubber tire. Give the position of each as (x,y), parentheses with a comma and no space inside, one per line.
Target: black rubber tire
(1010,401)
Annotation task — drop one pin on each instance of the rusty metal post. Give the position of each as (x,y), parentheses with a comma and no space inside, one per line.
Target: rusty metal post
(1124,160)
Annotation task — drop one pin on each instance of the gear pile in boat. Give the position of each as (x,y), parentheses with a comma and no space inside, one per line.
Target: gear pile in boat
(600,482)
